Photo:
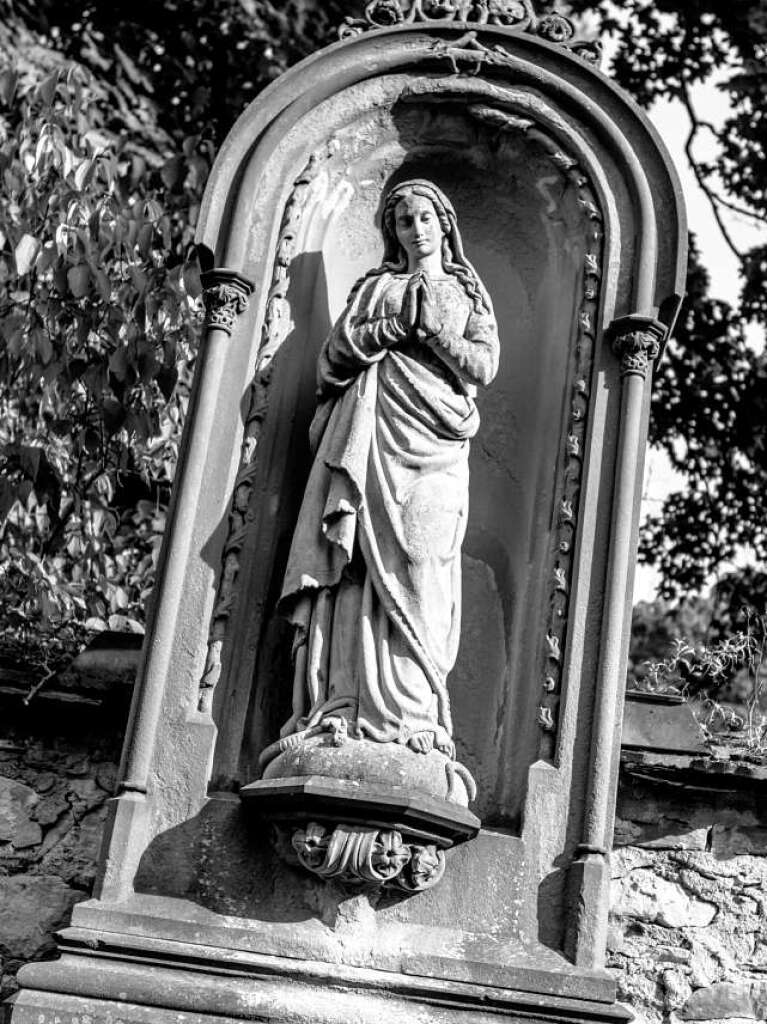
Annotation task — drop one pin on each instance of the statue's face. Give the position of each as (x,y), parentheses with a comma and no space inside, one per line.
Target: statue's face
(417,226)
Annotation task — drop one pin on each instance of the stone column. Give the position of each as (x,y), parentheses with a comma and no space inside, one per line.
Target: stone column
(636,340)
(226,297)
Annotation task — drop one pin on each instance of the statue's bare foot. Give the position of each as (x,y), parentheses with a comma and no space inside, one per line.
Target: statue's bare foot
(338,728)
(421,742)
(447,748)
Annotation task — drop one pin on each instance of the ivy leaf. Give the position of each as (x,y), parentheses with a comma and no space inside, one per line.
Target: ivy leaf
(47,88)
(42,344)
(114,415)
(81,173)
(119,363)
(192,280)
(25,254)
(8,82)
(171,172)
(103,284)
(166,381)
(78,279)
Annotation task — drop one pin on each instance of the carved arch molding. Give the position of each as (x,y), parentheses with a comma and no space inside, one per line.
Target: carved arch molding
(508,116)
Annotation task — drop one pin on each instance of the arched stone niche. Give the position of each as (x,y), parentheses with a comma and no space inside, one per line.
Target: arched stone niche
(572,215)
(531,222)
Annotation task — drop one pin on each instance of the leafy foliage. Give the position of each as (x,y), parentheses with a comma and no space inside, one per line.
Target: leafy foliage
(710,406)
(109,117)
(709,417)
(97,317)
(196,64)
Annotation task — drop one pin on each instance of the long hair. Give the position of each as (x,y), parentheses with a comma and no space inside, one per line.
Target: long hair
(454,260)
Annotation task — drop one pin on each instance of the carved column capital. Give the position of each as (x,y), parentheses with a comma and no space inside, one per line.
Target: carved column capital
(636,340)
(225,294)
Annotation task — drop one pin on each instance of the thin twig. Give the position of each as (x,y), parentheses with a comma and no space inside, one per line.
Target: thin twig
(695,125)
(738,209)
(38,686)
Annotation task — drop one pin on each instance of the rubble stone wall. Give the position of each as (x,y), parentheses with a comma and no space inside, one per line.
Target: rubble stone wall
(688,934)
(57,770)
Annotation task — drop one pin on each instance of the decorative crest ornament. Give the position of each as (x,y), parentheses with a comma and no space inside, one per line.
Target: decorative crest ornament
(516,14)
(225,294)
(637,341)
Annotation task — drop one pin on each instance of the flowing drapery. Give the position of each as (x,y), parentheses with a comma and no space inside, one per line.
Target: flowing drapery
(373,582)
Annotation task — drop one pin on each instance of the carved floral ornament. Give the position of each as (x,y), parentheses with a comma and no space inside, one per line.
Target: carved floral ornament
(517,14)
(636,341)
(225,294)
(356,855)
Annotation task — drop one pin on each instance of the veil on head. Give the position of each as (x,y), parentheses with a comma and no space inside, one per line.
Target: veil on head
(454,260)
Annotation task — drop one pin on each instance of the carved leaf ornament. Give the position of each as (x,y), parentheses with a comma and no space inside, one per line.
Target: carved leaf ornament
(516,14)
(358,855)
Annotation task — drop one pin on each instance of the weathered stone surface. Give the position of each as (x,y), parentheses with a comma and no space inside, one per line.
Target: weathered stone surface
(627,859)
(33,906)
(74,857)
(364,761)
(726,1000)
(676,988)
(50,823)
(27,834)
(654,722)
(738,840)
(645,896)
(729,874)
(51,807)
(694,839)
(16,804)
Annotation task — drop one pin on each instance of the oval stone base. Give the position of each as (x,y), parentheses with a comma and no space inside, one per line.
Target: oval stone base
(378,764)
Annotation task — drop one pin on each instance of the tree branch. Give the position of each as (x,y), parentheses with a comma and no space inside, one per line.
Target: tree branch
(713,198)
(738,209)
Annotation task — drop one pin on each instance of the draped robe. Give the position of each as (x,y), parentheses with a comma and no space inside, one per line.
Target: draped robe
(373,581)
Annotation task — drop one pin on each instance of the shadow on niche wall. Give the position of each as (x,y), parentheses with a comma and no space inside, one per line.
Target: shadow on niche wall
(253,698)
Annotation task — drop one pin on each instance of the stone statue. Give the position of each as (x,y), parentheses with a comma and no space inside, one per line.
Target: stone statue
(373,581)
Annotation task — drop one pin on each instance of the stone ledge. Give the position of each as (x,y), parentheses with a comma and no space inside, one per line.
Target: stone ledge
(104,670)
(100,976)
(300,799)
(709,772)
(661,722)
(132,934)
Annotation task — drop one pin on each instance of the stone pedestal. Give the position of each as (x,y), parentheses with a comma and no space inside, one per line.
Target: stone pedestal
(571,213)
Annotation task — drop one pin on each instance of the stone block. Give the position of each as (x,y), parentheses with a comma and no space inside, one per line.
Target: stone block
(27,834)
(33,907)
(45,781)
(675,954)
(676,988)
(50,808)
(74,856)
(16,804)
(647,897)
(667,839)
(727,999)
(627,859)
(738,840)
(625,833)
(662,723)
